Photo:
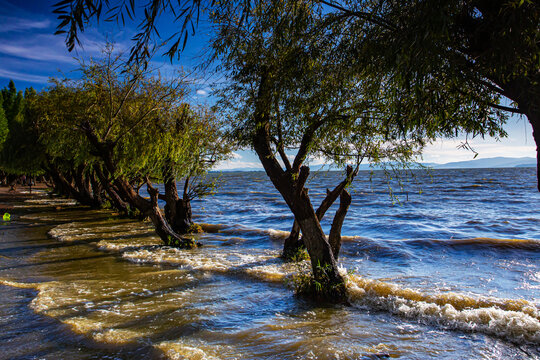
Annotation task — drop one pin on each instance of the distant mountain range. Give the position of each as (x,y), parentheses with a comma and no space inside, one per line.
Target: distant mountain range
(496,162)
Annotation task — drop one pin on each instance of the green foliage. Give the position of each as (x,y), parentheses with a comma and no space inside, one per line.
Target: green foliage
(21,152)
(4,128)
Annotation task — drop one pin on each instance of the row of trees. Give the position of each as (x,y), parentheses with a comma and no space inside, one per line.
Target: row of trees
(102,137)
(346,81)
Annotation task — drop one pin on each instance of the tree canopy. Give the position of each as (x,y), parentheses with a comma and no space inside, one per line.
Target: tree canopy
(460,54)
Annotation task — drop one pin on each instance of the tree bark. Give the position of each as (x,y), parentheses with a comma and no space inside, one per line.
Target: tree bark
(526,93)
(83,192)
(113,196)
(335,231)
(177,210)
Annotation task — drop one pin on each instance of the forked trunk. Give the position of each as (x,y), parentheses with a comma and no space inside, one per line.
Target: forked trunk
(112,195)
(177,210)
(328,282)
(293,243)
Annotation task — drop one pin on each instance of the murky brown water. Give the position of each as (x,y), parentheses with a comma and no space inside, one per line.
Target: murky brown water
(80,284)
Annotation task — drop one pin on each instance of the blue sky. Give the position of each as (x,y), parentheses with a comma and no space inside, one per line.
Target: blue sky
(30,54)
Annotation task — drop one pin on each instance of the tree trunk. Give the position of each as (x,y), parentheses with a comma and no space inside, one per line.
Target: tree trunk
(290,185)
(97,189)
(177,210)
(83,192)
(335,231)
(113,196)
(63,185)
(526,92)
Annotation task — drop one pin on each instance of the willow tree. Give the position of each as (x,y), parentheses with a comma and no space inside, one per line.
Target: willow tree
(196,144)
(489,50)
(131,126)
(288,94)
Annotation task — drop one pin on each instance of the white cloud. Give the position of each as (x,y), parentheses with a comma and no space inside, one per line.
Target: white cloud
(202,92)
(443,151)
(38,79)
(8,23)
(41,48)
(234,164)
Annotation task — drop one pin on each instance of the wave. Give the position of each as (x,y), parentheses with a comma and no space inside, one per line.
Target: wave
(515,320)
(530,244)
(176,350)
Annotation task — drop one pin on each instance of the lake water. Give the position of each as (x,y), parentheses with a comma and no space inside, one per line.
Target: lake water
(450,270)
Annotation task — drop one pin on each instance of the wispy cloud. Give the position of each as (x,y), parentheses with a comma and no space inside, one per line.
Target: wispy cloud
(41,51)
(202,92)
(9,24)
(14,75)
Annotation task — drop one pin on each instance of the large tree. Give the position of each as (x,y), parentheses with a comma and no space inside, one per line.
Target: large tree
(488,49)
(294,85)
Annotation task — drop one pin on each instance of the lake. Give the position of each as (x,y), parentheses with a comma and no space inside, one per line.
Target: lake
(446,268)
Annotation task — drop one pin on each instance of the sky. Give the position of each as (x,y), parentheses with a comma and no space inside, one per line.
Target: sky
(30,54)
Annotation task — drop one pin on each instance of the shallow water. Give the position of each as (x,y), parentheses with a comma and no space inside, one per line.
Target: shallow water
(451,271)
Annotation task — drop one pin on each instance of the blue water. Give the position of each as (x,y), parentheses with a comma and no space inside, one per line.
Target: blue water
(441,204)
(411,230)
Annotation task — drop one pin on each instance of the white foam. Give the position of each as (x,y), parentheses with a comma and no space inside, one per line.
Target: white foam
(515,320)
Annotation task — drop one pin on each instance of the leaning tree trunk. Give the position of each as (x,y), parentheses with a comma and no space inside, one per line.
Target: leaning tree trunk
(290,185)
(177,210)
(112,195)
(335,231)
(84,193)
(525,92)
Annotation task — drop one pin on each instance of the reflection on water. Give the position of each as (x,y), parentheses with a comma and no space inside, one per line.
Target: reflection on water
(80,283)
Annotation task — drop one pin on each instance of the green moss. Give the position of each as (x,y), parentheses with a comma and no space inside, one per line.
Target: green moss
(297,255)
(195,229)
(182,243)
(321,288)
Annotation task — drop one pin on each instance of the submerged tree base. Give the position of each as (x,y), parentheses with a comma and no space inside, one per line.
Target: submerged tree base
(320,289)
(296,254)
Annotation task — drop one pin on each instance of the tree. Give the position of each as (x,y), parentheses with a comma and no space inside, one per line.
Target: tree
(488,49)
(281,98)
(4,128)
(20,153)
